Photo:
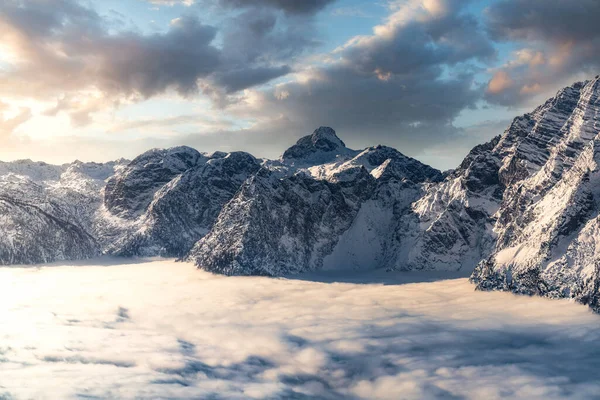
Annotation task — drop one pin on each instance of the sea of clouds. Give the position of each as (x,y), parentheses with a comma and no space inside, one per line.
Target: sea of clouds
(161,329)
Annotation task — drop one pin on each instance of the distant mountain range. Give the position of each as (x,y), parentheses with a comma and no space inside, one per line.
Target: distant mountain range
(522,210)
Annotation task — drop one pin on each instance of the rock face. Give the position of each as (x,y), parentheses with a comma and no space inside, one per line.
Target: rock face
(371,240)
(178,213)
(451,226)
(280,226)
(129,193)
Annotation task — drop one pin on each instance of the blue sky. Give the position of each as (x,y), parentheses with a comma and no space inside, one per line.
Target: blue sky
(99,80)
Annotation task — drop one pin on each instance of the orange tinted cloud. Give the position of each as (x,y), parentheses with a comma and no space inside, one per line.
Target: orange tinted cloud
(531,89)
(499,82)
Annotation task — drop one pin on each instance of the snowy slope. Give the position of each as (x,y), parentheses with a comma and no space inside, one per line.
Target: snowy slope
(35,171)
(375,160)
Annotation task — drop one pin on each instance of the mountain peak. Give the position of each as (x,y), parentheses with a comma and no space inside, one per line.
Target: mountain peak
(325,136)
(323,145)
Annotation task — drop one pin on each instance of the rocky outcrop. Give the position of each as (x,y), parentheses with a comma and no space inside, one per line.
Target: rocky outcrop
(129,192)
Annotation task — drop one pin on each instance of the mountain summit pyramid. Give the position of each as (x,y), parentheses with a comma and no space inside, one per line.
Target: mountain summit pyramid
(322,146)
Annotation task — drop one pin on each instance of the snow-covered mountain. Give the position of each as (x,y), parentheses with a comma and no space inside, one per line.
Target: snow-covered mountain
(47,212)
(521,210)
(160,203)
(314,216)
(278,226)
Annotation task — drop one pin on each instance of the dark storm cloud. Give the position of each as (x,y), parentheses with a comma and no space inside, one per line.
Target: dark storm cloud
(259,35)
(290,7)
(368,103)
(258,44)
(556,20)
(410,46)
(561,43)
(151,64)
(300,7)
(235,80)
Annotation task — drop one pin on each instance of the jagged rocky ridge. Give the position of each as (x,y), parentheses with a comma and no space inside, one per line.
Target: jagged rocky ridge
(522,209)
(165,200)
(279,226)
(159,204)
(546,229)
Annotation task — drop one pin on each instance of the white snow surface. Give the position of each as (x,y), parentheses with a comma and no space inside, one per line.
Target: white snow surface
(160,329)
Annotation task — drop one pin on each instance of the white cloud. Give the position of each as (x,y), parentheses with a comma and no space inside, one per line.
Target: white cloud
(165,330)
